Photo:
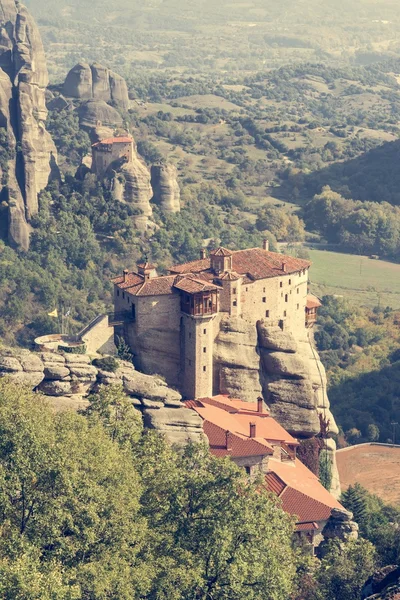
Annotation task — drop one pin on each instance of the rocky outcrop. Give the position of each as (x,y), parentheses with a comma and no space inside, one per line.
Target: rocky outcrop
(98,119)
(164,181)
(30,149)
(284,368)
(236,359)
(383,585)
(131,184)
(340,527)
(96,82)
(68,379)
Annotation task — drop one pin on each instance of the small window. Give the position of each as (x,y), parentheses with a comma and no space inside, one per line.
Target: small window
(234,291)
(284,313)
(267,314)
(133,312)
(234,303)
(298,290)
(281,284)
(117,292)
(190,336)
(290,282)
(129,300)
(247,289)
(264,299)
(204,369)
(187,298)
(204,331)
(190,363)
(204,349)
(298,306)
(123,295)
(264,290)
(248,470)
(286,298)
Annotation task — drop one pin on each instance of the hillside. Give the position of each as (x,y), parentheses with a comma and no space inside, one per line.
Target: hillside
(374,466)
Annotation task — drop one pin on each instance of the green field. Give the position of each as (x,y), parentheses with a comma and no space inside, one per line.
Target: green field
(366,281)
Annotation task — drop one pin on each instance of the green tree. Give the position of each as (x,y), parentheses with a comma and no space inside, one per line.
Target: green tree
(344,569)
(354,500)
(229,538)
(325,469)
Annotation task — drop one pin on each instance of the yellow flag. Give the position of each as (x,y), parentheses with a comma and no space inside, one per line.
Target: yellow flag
(54,313)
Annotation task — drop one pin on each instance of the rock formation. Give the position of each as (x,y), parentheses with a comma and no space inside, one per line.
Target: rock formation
(340,527)
(68,379)
(31,151)
(286,370)
(131,184)
(164,181)
(383,585)
(96,82)
(98,119)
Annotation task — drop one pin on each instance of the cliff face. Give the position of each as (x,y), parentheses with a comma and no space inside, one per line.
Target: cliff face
(96,82)
(164,181)
(284,368)
(130,183)
(31,151)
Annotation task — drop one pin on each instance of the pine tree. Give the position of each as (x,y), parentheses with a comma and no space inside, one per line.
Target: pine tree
(353,499)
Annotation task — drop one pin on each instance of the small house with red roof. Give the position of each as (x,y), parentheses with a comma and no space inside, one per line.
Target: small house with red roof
(111,150)
(247,433)
(171,322)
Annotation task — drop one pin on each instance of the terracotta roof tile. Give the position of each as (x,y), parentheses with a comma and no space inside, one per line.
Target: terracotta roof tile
(136,285)
(240,446)
(313,301)
(114,140)
(309,526)
(305,507)
(221,252)
(126,281)
(274,483)
(193,286)
(255,263)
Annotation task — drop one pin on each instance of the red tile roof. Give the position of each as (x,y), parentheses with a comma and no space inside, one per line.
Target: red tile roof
(136,285)
(299,489)
(304,507)
(274,483)
(239,445)
(236,416)
(255,263)
(221,252)
(114,140)
(313,302)
(193,285)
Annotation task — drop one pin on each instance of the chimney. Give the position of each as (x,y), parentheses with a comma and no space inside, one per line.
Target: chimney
(203,254)
(252,430)
(266,244)
(260,405)
(228,441)
(284,266)
(126,273)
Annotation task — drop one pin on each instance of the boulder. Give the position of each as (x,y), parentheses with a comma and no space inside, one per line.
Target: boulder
(273,338)
(179,425)
(87,373)
(146,387)
(340,527)
(136,191)
(9,364)
(96,82)
(298,421)
(56,371)
(383,585)
(31,362)
(55,388)
(164,181)
(95,113)
(284,365)
(77,359)
(79,83)
(31,379)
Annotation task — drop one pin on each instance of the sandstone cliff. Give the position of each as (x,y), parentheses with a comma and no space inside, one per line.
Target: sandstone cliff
(96,82)
(285,369)
(130,183)
(164,181)
(31,151)
(68,379)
